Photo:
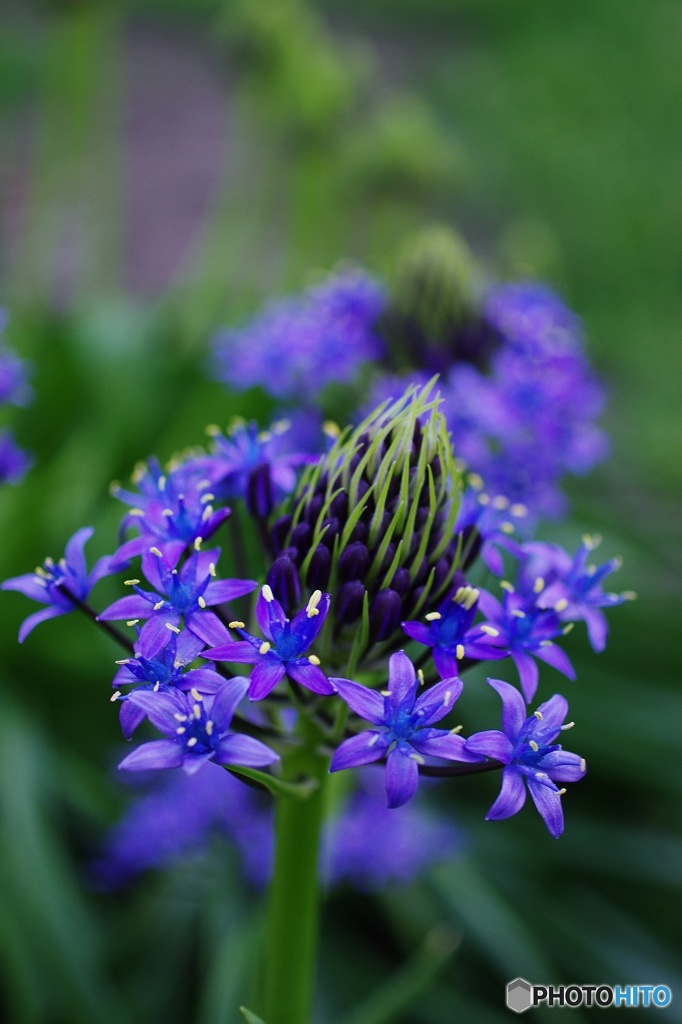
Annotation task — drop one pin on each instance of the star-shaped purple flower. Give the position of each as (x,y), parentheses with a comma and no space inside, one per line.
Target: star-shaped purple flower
(53,582)
(527,631)
(197,730)
(161,665)
(404,734)
(283,652)
(452,635)
(574,586)
(531,758)
(184,593)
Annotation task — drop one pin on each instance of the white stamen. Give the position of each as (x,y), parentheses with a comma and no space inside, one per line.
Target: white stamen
(267,593)
(311,607)
(433,616)
(236,624)
(313,659)
(264,647)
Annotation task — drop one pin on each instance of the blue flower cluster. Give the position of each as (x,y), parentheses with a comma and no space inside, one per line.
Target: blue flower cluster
(194,633)
(14,390)
(297,346)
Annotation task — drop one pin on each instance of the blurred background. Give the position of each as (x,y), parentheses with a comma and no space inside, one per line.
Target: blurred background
(164,166)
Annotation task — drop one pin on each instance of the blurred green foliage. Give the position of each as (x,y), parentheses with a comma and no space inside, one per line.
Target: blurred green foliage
(547,132)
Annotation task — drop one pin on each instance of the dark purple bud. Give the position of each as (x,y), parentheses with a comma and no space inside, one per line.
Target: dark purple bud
(401,581)
(318,570)
(361,489)
(389,555)
(284,582)
(348,602)
(339,506)
(442,568)
(385,613)
(314,508)
(331,529)
(279,532)
(354,562)
(260,498)
(301,535)
(359,532)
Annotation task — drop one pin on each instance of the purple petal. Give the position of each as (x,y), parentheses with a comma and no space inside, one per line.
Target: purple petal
(490,607)
(513,708)
(155,629)
(265,677)
(511,798)
(434,703)
(548,803)
(205,680)
(29,624)
(207,627)
(493,744)
(402,681)
(193,762)
(188,647)
(553,713)
(133,607)
(597,627)
(528,672)
(446,662)
(130,717)
(402,777)
(157,754)
(562,766)
(310,676)
(240,651)
(361,749)
(30,585)
(441,743)
(74,553)
(366,703)
(221,591)
(226,700)
(420,632)
(246,751)
(307,627)
(557,658)
(160,708)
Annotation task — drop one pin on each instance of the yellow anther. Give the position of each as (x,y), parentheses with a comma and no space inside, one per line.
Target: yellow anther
(518,613)
(385,693)
(132,622)
(280,426)
(568,725)
(236,624)
(124,661)
(209,727)
(114,697)
(583,764)
(264,647)
(562,791)
(41,572)
(447,698)
(420,676)
(472,598)
(167,512)
(192,742)
(180,729)
(500,502)
(374,739)
(518,509)
(206,514)
(265,436)
(213,430)
(267,593)
(629,595)
(331,429)
(539,585)
(476,481)
(490,631)
(136,512)
(457,729)
(198,541)
(158,605)
(179,718)
(533,745)
(155,551)
(546,643)
(162,483)
(211,569)
(173,629)
(561,605)
(418,758)
(539,715)
(201,601)
(195,693)
(311,607)
(568,629)
(484,499)
(433,616)
(206,497)
(196,710)
(506,585)
(507,527)
(313,659)
(459,652)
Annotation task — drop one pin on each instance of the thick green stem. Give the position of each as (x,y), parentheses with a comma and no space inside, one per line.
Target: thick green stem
(294,895)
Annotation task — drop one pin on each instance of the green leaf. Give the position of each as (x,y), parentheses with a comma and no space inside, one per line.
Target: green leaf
(249,1017)
(278,787)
